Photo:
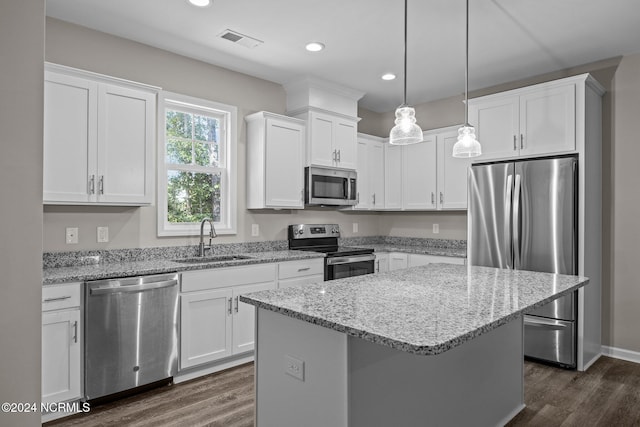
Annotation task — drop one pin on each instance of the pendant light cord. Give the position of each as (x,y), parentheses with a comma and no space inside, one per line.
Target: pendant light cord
(405,54)
(466,72)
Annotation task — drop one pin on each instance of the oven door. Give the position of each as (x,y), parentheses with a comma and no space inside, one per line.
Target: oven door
(341,267)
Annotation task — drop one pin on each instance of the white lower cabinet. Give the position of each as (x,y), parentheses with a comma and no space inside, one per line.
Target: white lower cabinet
(61,343)
(397,261)
(214,323)
(382,262)
(301,272)
(419,259)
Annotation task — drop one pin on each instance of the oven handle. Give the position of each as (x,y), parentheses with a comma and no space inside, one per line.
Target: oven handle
(350,259)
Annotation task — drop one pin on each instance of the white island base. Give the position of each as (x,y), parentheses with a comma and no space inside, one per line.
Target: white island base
(352,382)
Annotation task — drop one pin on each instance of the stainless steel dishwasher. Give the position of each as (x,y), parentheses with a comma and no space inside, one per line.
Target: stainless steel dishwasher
(131,333)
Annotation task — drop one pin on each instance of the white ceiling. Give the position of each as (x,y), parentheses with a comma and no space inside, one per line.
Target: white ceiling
(509,39)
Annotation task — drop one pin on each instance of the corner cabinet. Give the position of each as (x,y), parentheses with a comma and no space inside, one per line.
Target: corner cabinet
(61,343)
(370,169)
(536,120)
(331,138)
(99,136)
(275,161)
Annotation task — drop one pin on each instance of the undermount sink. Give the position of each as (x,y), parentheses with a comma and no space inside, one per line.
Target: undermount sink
(215,258)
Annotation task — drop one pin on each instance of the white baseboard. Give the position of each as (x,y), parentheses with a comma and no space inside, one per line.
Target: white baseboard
(621,353)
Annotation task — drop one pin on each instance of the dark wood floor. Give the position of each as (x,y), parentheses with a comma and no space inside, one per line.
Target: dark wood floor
(607,395)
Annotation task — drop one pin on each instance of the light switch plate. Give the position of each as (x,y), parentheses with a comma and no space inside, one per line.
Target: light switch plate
(355,227)
(294,367)
(436,228)
(103,234)
(71,235)
(255,230)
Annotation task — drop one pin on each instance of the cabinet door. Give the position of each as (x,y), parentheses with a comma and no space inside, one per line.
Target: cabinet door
(382,262)
(547,121)
(392,176)
(419,175)
(126,129)
(375,159)
(321,152)
(244,318)
(345,133)
(364,179)
(397,261)
(61,355)
(205,330)
(69,138)
(284,160)
(452,174)
(497,126)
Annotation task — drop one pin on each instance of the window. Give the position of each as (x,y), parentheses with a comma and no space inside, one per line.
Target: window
(196,165)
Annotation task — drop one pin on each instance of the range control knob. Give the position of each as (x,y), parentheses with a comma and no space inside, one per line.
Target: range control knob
(334,230)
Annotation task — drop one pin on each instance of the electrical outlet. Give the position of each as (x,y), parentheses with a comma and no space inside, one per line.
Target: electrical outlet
(436,228)
(103,234)
(294,367)
(255,230)
(355,227)
(72,235)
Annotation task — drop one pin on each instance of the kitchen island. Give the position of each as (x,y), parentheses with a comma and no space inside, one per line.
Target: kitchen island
(433,345)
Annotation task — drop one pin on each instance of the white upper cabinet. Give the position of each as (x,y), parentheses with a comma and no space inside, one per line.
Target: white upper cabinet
(275,161)
(393,176)
(331,140)
(419,175)
(536,120)
(370,172)
(99,137)
(452,172)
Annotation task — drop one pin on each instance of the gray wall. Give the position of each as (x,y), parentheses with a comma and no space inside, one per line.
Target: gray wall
(21,91)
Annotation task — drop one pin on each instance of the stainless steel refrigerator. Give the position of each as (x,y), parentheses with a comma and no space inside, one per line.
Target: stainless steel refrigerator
(523,215)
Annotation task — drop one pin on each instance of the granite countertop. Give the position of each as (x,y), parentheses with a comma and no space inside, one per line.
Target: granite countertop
(424,310)
(79,273)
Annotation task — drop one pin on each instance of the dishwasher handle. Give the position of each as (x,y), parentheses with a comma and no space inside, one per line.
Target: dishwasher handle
(116,287)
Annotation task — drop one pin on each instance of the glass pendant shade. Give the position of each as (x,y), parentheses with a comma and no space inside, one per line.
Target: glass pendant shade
(467,144)
(406,131)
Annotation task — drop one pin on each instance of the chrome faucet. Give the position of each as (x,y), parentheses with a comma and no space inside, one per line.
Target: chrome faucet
(212,234)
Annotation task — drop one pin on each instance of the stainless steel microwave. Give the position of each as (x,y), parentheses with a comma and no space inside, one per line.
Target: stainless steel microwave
(329,186)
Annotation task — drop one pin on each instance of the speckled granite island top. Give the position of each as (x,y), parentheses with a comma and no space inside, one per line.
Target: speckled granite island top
(80,273)
(423,310)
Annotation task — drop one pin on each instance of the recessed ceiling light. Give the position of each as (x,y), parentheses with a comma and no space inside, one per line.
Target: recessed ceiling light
(200,3)
(314,46)
(388,76)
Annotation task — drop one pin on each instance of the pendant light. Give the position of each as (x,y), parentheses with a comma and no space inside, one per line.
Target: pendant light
(406,131)
(467,144)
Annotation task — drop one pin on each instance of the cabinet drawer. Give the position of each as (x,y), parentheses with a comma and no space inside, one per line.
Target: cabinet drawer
(301,268)
(232,276)
(300,281)
(56,297)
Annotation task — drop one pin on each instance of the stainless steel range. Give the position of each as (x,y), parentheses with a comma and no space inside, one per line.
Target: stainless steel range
(340,261)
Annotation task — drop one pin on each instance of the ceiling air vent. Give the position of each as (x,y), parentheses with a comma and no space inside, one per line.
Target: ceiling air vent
(240,39)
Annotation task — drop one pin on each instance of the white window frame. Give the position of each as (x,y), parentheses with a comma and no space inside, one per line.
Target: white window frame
(229,181)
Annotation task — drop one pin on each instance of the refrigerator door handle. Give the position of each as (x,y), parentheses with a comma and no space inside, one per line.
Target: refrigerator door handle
(507,224)
(516,222)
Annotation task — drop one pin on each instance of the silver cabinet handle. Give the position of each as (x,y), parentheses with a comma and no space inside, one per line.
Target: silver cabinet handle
(237,304)
(302,196)
(57,299)
(101,184)
(377,266)
(304,269)
(433,198)
(230,308)
(515,143)
(521,141)
(339,157)
(75,331)
(441,198)
(335,156)
(92,184)
(374,198)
